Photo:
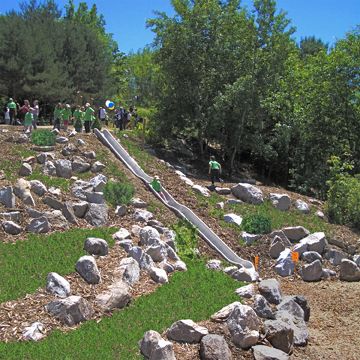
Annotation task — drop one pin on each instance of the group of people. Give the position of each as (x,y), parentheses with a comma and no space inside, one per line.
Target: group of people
(27,114)
(123,118)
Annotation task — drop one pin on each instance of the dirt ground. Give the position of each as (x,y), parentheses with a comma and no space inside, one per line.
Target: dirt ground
(334,322)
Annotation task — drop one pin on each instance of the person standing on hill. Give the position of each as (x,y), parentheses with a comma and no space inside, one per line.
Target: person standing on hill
(88,117)
(12,111)
(67,114)
(35,112)
(28,120)
(58,115)
(78,116)
(214,170)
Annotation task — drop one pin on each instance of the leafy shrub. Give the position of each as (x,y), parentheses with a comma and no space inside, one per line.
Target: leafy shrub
(186,239)
(43,137)
(117,193)
(257,224)
(96,124)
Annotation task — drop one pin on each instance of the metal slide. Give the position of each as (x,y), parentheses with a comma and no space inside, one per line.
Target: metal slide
(205,232)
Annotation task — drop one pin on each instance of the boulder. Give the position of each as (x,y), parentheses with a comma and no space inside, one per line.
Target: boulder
(79,165)
(39,225)
(250,238)
(246,292)
(271,290)
(201,190)
(38,187)
(280,335)
(335,256)
(302,206)
(298,326)
(223,314)
(68,212)
(95,197)
(158,252)
(57,220)
(25,169)
(301,248)
(262,352)
(180,266)
(149,236)
(154,347)
(54,191)
(34,332)
(80,142)
(135,230)
(88,270)
(130,270)
(302,301)
(316,242)
(62,140)
(70,311)
(158,275)
(14,216)
(311,256)
(41,158)
(95,246)
(22,191)
(53,203)
(223,191)
(295,233)
(214,347)
(97,166)
(243,274)
(320,215)
(244,326)
(49,168)
(11,228)
(34,214)
(97,214)
(349,271)
(327,273)
(167,267)
(98,182)
(220,205)
(121,210)
(90,155)
(80,208)
(263,308)
(121,234)
(284,264)
(116,297)
(125,244)
(214,264)
(233,219)
(234,202)
(279,234)
(276,249)
(289,305)
(186,331)
(144,260)
(248,193)
(138,203)
(7,197)
(280,201)
(143,215)
(63,168)
(229,270)
(312,272)
(57,285)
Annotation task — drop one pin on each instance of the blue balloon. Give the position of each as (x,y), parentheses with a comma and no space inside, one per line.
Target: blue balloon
(111,104)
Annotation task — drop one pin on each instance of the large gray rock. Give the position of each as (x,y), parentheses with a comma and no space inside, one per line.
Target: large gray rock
(144,260)
(302,301)
(154,347)
(214,264)
(138,203)
(22,191)
(116,297)
(244,326)
(284,264)
(90,155)
(57,220)
(97,166)
(53,203)
(62,140)
(311,256)
(121,234)
(297,324)
(96,246)
(88,270)
(130,270)
(25,169)
(349,271)
(263,308)
(41,158)
(7,197)
(98,182)
(315,242)
(262,352)
(158,252)
(244,274)
(248,193)
(335,256)
(63,168)
(295,233)
(97,214)
(271,290)
(250,238)
(39,225)
(246,292)
(280,201)
(38,187)
(79,165)
(14,216)
(68,212)
(223,191)
(186,331)
(224,313)
(57,285)
(280,335)
(201,190)
(70,311)
(233,219)
(301,248)
(276,234)
(158,275)
(302,206)
(276,248)
(34,332)
(291,306)
(214,347)
(312,272)
(49,168)
(80,208)
(143,215)
(95,197)
(11,228)
(149,236)
(121,210)
(80,188)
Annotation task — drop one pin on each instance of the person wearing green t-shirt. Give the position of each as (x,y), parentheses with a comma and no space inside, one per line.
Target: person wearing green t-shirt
(58,111)
(28,120)
(214,170)
(88,117)
(155,184)
(12,111)
(66,116)
(78,116)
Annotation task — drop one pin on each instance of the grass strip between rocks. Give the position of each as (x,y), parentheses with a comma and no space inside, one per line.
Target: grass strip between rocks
(25,264)
(195,294)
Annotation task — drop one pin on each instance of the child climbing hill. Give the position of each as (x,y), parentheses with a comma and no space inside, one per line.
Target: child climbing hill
(214,170)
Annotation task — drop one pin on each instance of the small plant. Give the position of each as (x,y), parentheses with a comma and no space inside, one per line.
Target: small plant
(186,239)
(43,137)
(117,193)
(257,224)
(96,124)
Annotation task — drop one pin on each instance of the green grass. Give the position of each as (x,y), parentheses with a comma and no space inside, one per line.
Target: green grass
(49,181)
(25,264)
(195,294)
(22,152)
(10,168)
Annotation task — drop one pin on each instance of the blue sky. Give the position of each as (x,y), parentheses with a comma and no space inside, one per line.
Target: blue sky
(326,19)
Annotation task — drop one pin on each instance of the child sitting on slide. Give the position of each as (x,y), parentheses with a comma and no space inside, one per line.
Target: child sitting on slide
(155,184)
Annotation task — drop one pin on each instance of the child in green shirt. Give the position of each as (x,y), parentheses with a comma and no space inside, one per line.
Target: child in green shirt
(78,116)
(58,115)
(88,117)
(66,115)
(28,121)
(214,170)
(155,184)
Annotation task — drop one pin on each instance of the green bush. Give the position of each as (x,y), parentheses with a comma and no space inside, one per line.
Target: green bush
(257,224)
(97,124)
(43,137)
(186,239)
(117,193)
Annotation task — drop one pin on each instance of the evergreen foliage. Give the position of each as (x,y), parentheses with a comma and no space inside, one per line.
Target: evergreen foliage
(257,224)
(117,193)
(43,137)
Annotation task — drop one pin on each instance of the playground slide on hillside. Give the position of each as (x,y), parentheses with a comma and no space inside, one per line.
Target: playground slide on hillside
(182,211)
